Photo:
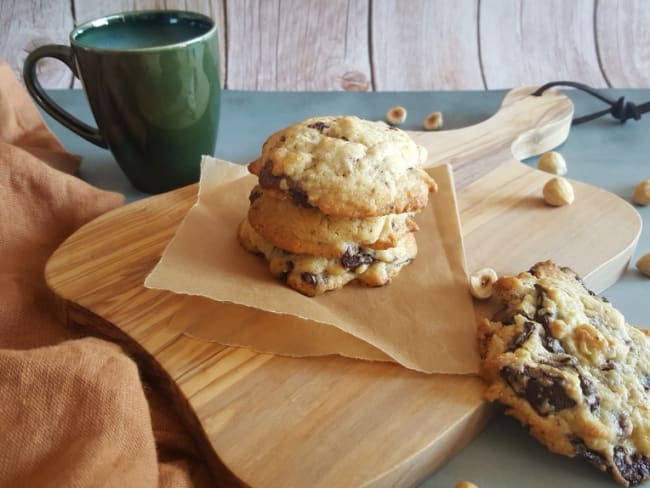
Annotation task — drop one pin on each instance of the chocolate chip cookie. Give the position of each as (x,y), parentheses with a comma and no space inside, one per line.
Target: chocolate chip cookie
(346,167)
(564,362)
(314,275)
(303,230)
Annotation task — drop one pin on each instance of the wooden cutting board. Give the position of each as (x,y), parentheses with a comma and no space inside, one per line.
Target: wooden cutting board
(272,421)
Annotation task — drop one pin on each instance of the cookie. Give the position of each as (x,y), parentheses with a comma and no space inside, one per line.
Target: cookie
(303,230)
(346,167)
(314,275)
(564,362)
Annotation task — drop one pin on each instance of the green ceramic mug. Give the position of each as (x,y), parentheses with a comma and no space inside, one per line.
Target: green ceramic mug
(152,81)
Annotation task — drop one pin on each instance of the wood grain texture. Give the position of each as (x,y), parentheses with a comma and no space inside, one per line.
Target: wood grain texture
(273,421)
(298,45)
(28,25)
(523,126)
(331,421)
(380,44)
(497,193)
(623,40)
(526,42)
(256,42)
(427,45)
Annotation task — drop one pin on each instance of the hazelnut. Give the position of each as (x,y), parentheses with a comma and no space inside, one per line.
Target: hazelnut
(433,121)
(396,115)
(558,192)
(643,264)
(642,193)
(481,283)
(465,484)
(589,340)
(552,162)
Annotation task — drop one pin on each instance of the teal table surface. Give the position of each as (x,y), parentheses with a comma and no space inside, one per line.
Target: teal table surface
(604,153)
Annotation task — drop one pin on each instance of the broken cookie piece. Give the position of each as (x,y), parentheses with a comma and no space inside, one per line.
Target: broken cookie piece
(564,362)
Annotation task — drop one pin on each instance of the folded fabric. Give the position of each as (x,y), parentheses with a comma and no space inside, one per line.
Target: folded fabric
(73,410)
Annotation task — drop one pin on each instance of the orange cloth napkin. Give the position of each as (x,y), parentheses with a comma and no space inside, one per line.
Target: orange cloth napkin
(73,410)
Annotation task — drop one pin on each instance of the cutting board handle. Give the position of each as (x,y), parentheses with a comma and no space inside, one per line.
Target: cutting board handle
(524,125)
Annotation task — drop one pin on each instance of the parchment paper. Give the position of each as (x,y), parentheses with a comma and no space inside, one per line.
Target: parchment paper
(423,320)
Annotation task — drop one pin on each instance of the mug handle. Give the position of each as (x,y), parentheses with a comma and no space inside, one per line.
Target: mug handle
(64,54)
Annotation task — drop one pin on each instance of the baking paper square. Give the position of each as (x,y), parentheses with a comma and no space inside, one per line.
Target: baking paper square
(423,320)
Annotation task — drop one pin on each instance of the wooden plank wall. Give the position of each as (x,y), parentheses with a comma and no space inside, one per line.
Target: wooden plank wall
(380,44)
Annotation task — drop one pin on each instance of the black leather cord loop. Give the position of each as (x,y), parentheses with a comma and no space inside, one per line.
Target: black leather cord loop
(619,109)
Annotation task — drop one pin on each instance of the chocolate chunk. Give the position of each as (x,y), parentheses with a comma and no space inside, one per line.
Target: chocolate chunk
(589,393)
(515,379)
(267,178)
(547,395)
(288,268)
(567,360)
(319,126)
(255,194)
(299,197)
(562,361)
(544,317)
(587,386)
(521,339)
(352,259)
(545,392)
(590,455)
(550,343)
(582,283)
(608,366)
(634,467)
(625,425)
(309,278)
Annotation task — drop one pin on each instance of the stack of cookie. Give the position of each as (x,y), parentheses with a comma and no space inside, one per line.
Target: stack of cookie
(335,203)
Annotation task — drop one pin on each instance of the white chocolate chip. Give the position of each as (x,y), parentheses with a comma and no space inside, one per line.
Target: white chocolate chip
(433,121)
(558,192)
(643,264)
(642,193)
(481,283)
(396,115)
(552,162)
